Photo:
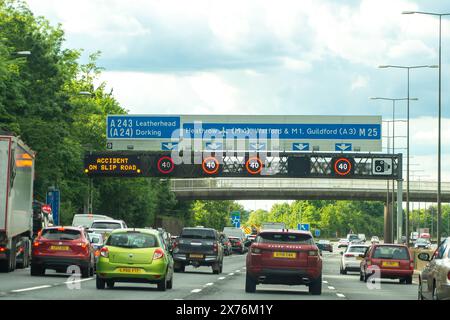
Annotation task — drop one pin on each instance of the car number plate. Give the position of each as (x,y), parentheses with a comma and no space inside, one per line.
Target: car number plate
(196,256)
(59,248)
(130,270)
(289,255)
(389,264)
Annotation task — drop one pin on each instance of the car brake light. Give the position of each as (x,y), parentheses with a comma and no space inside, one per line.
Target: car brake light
(256,250)
(104,252)
(348,255)
(36,244)
(238,243)
(159,253)
(448,275)
(313,253)
(411,265)
(61,229)
(2,249)
(215,246)
(97,253)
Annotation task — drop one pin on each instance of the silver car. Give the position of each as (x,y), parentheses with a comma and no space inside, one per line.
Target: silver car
(434,280)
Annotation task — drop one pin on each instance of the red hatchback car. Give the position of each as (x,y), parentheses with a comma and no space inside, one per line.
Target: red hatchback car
(58,248)
(388,261)
(288,257)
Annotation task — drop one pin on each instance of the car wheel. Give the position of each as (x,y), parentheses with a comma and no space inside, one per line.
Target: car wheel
(361,277)
(344,271)
(85,271)
(250,284)
(162,285)
(99,283)
(110,284)
(36,271)
(315,287)
(178,267)
(216,268)
(434,294)
(419,291)
(170,283)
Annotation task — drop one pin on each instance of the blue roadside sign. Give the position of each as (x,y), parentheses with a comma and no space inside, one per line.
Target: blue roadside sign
(236,219)
(317,233)
(303,226)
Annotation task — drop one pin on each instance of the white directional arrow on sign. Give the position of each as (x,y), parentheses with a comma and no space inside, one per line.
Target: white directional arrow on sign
(300,146)
(169,145)
(213,145)
(257,146)
(343,146)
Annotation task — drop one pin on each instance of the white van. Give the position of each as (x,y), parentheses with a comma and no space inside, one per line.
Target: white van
(86,220)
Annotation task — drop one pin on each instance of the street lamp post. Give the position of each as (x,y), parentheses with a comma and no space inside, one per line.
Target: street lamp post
(393,151)
(439,213)
(408,68)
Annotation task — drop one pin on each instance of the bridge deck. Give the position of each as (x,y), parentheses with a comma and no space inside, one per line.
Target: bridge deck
(300,189)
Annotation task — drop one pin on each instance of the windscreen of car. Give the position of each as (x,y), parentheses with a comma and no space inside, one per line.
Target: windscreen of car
(133,240)
(198,234)
(285,238)
(56,234)
(106,225)
(391,252)
(357,249)
(324,242)
(353,237)
(421,240)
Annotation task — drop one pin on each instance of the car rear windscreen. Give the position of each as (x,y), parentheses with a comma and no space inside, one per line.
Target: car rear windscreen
(391,252)
(55,234)
(132,240)
(106,225)
(285,238)
(198,234)
(357,249)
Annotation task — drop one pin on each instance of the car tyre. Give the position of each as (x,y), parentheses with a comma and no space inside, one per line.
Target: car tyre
(344,271)
(216,268)
(408,280)
(315,287)
(178,267)
(100,283)
(110,284)
(170,283)
(419,291)
(36,270)
(162,285)
(85,272)
(434,292)
(250,284)
(361,277)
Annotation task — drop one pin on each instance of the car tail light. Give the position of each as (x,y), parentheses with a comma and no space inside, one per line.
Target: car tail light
(104,252)
(159,253)
(2,249)
(215,246)
(256,250)
(36,244)
(238,243)
(61,229)
(348,255)
(97,253)
(411,265)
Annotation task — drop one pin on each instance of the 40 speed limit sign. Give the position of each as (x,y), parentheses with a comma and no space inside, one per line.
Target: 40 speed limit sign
(343,167)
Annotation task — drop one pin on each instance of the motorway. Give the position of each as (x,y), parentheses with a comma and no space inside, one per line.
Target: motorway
(201,284)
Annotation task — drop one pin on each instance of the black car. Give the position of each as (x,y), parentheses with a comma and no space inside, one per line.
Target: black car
(198,247)
(226,243)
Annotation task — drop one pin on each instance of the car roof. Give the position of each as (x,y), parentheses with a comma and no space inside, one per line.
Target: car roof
(291,231)
(139,230)
(358,245)
(107,220)
(198,228)
(390,245)
(67,228)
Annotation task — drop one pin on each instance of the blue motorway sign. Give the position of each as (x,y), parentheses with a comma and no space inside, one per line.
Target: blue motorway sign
(169,146)
(317,233)
(343,147)
(53,199)
(284,131)
(303,226)
(300,146)
(141,127)
(236,219)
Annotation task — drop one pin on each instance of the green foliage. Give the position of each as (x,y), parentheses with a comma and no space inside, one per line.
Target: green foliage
(214,214)
(40,101)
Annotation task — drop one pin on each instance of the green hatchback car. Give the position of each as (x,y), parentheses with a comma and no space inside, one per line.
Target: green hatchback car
(135,255)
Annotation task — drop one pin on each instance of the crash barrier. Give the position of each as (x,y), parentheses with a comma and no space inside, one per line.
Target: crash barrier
(419,265)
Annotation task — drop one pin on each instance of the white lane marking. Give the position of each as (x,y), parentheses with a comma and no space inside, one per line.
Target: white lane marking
(221,278)
(33,288)
(177,299)
(340,295)
(331,288)
(325,282)
(75,281)
(231,274)
(196,290)
(238,271)
(209,284)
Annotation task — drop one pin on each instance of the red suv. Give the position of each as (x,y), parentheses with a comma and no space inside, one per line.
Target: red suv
(287,257)
(58,248)
(389,261)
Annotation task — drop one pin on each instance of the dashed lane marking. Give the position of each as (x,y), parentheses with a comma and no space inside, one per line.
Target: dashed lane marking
(231,274)
(325,282)
(196,290)
(76,281)
(32,288)
(331,288)
(221,278)
(209,284)
(238,271)
(340,295)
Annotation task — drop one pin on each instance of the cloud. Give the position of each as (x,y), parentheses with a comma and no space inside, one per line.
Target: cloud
(359,82)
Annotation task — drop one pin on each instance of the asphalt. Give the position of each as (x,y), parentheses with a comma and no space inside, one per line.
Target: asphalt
(202,284)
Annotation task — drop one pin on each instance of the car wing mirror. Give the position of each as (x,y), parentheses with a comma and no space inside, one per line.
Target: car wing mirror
(341,253)
(424,256)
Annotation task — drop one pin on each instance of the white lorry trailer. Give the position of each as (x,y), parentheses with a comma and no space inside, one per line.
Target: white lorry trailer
(16,203)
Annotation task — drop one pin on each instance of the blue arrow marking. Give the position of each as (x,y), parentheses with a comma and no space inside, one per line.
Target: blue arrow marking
(343,147)
(257,146)
(213,145)
(169,145)
(300,146)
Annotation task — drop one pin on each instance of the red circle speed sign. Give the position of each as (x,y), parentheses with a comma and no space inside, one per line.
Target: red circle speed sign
(254,165)
(210,165)
(342,166)
(165,165)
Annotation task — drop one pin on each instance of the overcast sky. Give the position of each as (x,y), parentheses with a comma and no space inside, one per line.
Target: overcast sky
(302,57)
